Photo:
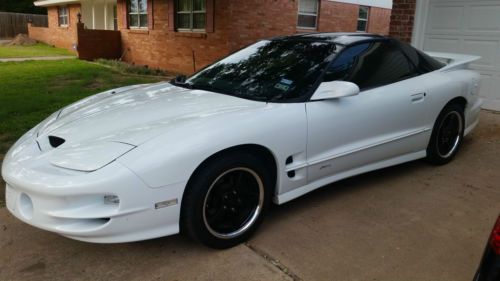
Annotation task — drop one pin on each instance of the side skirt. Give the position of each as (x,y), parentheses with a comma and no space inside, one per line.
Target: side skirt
(288,196)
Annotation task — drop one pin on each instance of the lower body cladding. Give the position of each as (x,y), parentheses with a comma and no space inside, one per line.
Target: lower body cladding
(472,115)
(111,205)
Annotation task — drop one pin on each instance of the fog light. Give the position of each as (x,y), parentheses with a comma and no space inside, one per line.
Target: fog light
(111,200)
(26,206)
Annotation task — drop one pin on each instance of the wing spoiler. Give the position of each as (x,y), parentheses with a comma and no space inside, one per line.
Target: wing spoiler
(453,61)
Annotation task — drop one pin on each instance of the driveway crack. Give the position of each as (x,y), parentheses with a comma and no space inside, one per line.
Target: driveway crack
(275,262)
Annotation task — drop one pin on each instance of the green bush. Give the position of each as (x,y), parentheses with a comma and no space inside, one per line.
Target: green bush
(133,69)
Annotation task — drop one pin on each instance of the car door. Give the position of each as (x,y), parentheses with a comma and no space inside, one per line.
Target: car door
(348,135)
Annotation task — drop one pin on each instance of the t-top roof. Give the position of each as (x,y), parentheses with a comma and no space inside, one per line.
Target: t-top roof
(342,38)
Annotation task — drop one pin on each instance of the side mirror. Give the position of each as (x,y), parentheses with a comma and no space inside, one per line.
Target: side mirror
(335,90)
(180,79)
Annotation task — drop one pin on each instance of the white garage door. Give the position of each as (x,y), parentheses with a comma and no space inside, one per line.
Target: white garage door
(469,27)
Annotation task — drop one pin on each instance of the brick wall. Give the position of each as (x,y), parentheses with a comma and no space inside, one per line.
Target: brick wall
(237,24)
(402,19)
(338,17)
(379,20)
(176,51)
(342,17)
(62,37)
(251,20)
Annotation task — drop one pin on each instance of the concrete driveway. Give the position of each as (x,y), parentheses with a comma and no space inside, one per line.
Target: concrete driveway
(410,222)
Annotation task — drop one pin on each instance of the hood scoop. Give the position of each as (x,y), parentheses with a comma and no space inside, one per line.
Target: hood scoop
(55,142)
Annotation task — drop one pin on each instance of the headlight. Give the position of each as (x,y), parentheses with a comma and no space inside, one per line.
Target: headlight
(88,157)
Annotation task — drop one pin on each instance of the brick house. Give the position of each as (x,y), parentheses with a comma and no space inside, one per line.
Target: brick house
(457,26)
(186,35)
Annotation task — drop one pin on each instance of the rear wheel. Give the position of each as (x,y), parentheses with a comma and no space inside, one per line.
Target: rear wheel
(226,200)
(447,135)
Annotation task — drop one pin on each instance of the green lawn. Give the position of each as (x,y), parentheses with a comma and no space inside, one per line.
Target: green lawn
(30,91)
(37,50)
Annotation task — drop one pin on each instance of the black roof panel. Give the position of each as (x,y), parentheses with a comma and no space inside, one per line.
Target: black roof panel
(342,38)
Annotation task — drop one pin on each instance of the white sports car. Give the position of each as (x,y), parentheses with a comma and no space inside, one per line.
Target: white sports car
(206,155)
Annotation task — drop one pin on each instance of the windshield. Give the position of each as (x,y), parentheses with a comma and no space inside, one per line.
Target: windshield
(269,70)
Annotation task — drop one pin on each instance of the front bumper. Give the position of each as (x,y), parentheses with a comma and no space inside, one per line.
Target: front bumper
(72,203)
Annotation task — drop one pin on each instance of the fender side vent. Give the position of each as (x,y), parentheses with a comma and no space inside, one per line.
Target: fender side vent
(55,142)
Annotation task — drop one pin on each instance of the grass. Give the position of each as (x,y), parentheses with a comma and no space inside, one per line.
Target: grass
(32,90)
(37,50)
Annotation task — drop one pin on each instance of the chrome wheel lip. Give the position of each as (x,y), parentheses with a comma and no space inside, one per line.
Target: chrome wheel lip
(458,137)
(251,219)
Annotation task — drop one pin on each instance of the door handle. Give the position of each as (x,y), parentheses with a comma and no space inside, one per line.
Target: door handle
(418,97)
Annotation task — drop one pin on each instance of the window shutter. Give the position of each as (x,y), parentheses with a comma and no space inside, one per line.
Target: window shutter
(171,15)
(150,15)
(210,16)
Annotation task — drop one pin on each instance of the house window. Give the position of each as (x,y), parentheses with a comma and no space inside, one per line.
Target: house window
(138,14)
(191,14)
(63,16)
(115,18)
(363,18)
(308,13)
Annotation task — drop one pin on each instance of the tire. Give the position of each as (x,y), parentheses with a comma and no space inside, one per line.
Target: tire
(447,135)
(219,213)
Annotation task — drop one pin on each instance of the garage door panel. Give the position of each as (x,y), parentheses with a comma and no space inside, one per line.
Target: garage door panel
(485,17)
(489,87)
(468,27)
(446,18)
(488,49)
(438,44)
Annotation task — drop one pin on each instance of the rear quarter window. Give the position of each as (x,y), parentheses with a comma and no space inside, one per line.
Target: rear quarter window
(421,60)
(371,64)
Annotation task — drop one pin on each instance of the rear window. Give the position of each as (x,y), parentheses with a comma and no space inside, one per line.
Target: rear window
(421,60)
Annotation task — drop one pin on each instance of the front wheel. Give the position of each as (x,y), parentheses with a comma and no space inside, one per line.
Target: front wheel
(447,135)
(226,200)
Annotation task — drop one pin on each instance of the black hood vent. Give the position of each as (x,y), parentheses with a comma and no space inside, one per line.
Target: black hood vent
(55,142)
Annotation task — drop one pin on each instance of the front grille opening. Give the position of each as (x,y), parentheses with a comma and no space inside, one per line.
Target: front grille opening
(55,142)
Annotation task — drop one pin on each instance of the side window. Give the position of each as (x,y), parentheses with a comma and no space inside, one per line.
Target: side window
(421,60)
(370,65)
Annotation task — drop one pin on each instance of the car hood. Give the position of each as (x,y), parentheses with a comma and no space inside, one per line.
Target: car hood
(135,114)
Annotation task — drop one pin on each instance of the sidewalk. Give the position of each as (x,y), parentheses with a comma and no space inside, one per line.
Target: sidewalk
(37,58)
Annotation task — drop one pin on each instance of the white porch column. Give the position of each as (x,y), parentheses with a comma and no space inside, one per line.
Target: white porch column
(93,15)
(105,15)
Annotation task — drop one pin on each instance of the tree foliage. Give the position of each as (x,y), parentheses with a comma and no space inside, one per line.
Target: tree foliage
(21,6)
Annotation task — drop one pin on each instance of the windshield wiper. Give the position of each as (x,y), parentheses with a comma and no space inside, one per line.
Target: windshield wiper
(206,87)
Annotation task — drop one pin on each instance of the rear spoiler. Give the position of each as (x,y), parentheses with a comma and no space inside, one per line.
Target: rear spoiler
(453,61)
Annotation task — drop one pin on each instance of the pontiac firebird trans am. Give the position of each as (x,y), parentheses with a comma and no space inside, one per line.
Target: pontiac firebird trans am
(206,155)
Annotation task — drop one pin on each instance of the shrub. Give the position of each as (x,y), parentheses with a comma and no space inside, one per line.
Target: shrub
(133,69)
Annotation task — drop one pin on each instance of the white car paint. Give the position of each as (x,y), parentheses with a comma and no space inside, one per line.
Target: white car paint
(141,144)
